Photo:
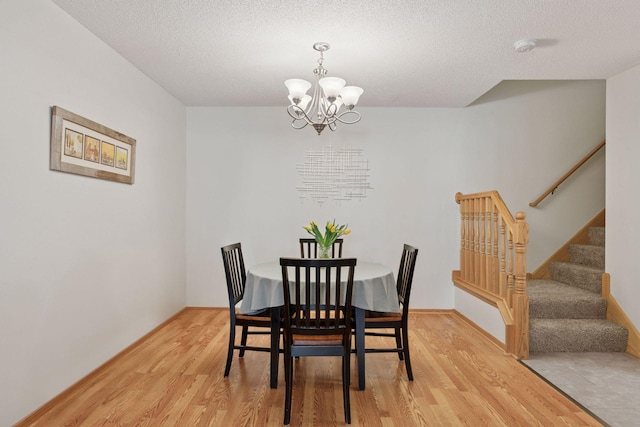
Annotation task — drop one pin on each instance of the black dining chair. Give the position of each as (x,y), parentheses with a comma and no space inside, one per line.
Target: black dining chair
(399,322)
(309,248)
(235,273)
(317,321)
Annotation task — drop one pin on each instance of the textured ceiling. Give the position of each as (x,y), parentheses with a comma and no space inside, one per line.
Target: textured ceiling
(410,53)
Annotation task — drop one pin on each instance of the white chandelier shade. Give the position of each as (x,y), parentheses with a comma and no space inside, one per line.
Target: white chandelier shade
(351,94)
(332,100)
(297,87)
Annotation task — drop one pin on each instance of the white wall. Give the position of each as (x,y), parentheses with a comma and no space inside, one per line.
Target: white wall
(74,292)
(87,266)
(518,139)
(623,176)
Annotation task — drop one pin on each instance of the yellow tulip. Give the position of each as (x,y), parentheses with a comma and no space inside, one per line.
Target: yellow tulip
(331,230)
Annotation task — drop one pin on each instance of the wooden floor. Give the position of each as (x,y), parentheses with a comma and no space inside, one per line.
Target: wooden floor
(175,378)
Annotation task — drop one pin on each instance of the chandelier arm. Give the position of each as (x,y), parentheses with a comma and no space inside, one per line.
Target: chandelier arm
(297,114)
(316,107)
(331,120)
(346,121)
(331,111)
(293,124)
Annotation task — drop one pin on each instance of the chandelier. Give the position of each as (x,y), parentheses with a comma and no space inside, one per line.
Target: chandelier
(332,101)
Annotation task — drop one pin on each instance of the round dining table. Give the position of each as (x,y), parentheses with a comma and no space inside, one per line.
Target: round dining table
(374,288)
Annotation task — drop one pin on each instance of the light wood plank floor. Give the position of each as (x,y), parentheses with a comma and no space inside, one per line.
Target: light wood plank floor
(174,377)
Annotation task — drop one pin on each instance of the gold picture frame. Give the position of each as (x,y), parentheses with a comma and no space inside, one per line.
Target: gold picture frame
(84,147)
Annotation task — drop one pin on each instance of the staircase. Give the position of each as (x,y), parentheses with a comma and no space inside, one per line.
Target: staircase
(567,312)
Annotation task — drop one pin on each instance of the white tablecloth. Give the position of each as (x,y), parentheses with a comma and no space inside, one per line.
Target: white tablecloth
(374,288)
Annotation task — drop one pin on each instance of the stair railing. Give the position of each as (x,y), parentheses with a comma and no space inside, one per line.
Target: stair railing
(555,185)
(493,263)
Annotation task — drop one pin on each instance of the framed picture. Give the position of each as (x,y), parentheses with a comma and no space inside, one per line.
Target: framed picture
(84,147)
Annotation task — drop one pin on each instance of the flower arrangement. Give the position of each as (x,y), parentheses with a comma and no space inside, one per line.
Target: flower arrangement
(331,233)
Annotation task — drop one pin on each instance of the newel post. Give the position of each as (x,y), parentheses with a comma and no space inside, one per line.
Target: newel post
(463,236)
(520,298)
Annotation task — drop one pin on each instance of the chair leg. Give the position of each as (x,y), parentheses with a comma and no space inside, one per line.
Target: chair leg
(346,375)
(243,341)
(288,378)
(232,340)
(405,345)
(275,345)
(399,343)
(360,347)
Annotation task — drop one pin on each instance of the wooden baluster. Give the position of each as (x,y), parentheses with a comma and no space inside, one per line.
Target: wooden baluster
(503,258)
(491,286)
(510,279)
(464,244)
(482,282)
(470,240)
(462,236)
(476,240)
(495,265)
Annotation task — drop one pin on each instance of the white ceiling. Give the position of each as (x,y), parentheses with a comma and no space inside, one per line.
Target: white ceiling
(404,53)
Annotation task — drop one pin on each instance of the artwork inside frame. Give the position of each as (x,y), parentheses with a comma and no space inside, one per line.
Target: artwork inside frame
(84,147)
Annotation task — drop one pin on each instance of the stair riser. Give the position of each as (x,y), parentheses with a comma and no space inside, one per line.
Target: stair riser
(562,345)
(548,336)
(588,255)
(596,236)
(578,276)
(567,310)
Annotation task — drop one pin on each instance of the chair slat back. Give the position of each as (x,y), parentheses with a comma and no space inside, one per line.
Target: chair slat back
(309,248)
(405,275)
(317,294)
(235,273)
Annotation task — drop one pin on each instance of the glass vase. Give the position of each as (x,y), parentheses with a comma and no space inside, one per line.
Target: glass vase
(324,251)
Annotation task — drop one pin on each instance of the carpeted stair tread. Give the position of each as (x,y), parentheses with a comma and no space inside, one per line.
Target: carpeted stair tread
(589,255)
(596,236)
(549,299)
(576,335)
(577,275)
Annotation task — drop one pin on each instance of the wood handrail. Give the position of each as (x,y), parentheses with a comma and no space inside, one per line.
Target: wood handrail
(567,175)
(493,262)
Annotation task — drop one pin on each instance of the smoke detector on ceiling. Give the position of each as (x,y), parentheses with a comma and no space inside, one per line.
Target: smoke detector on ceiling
(525,45)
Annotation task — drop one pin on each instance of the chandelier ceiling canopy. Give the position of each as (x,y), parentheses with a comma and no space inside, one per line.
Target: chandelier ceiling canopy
(332,101)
